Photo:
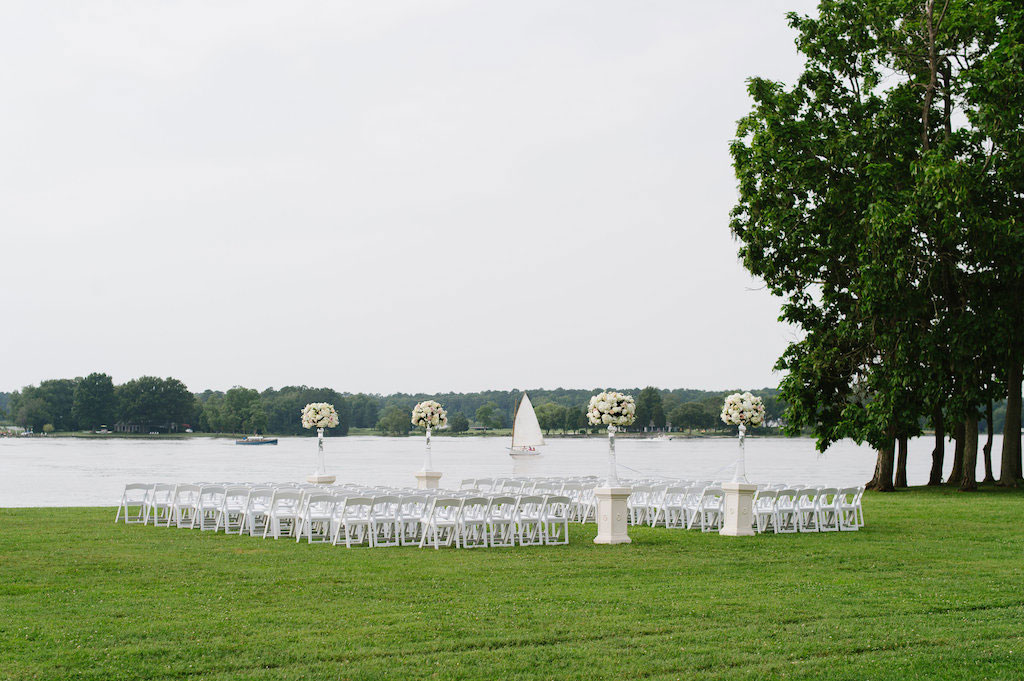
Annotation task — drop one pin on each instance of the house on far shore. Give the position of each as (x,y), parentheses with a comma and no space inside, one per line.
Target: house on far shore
(122,427)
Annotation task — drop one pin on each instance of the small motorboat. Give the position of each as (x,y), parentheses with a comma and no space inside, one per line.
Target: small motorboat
(256,440)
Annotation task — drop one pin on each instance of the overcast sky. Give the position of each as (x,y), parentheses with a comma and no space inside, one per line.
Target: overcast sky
(382,196)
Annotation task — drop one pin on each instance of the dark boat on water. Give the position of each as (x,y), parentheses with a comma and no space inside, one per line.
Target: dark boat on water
(257,440)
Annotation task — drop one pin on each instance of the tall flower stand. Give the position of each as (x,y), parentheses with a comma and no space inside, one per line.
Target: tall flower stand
(739,498)
(428,478)
(612,509)
(320,476)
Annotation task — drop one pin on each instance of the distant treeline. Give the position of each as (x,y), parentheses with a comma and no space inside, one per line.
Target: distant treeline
(149,404)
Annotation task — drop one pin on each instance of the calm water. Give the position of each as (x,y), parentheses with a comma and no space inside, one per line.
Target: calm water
(76,472)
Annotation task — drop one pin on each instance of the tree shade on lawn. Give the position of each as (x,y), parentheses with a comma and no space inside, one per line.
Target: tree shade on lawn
(930,588)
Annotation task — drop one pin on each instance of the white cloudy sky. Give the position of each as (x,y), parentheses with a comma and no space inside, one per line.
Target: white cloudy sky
(381,196)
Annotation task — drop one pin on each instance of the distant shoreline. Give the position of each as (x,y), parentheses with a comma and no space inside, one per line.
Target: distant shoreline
(357,432)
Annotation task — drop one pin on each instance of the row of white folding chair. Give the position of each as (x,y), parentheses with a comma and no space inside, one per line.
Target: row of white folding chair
(496,521)
(809,509)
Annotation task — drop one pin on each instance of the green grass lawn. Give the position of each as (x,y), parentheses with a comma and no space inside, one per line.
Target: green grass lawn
(932,588)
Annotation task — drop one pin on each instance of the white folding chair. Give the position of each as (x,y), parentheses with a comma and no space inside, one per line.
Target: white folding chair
(183,509)
(134,495)
(232,509)
(284,513)
(316,517)
(807,509)
(554,520)
(411,512)
(159,504)
(765,513)
(529,511)
(672,509)
(848,520)
(787,516)
(828,509)
(211,498)
(354,521)
(441,522)
(385,527)
(471,530)
(501,521)
(708,514)
(257,504)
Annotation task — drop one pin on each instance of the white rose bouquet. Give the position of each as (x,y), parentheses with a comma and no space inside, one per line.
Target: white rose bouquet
(429,414)
(319,415)
(611,409)
(743,409)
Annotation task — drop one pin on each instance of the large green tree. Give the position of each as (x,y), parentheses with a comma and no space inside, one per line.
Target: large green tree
(868,208)
(93,402)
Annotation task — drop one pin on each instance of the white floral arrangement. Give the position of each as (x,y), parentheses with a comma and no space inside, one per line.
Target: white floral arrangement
(611,409)
(743,409)
(319,415)
(429,414)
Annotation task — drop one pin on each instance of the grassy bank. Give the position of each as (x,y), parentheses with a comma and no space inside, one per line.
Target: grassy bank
(931,588)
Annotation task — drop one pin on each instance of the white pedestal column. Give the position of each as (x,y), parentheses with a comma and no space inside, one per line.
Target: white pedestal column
(739,509)
(611,515)
(320,476)
(428,479)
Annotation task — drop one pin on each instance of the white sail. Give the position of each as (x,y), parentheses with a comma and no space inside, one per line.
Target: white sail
(526,431)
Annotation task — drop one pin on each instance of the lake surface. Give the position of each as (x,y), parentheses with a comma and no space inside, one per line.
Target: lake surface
(84,472)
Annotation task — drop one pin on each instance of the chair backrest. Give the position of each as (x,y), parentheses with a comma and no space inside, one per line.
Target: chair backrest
(186,494)
(530,504)
(765,499)
(785,498)
(357,508)
(445,508)
(236,495)
(475,508)
(412,505)
(484,484)
(136,491)
(847,495)
(385,506)
(259,496)
(467,483)
(285,499)
(163,492)
(828,496)
(557,506)
(320,503)
(502,508)
(211,495)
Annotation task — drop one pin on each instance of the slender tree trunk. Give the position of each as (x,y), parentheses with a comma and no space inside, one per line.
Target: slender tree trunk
(939,453)
(956,475)
(882,480)
(988,444)
(968,481)
(901,462)
(1009,467)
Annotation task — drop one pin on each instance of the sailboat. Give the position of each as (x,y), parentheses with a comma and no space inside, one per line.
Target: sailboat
(526,435)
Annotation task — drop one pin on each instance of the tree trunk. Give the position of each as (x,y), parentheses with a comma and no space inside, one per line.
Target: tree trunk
(882,481)
(901,463)
(956,475)
(1009,467)
(988,444)
(939,453)
(968,482)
